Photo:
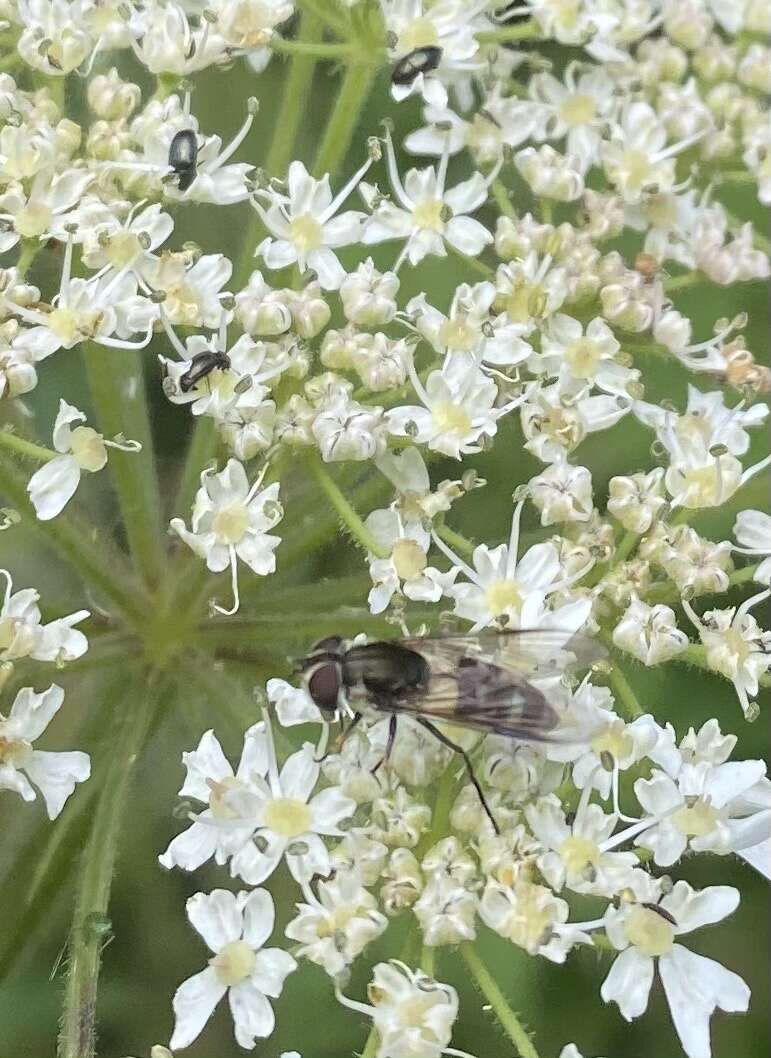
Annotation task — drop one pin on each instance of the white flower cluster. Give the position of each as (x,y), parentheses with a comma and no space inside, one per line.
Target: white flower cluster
(532,173)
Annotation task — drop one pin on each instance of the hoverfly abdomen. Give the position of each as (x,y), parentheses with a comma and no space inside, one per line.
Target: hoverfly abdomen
(183,157)
(421,60)
(202,365)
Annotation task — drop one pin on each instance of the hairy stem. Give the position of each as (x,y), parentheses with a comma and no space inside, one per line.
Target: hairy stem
(351,98)
(495,997)
(624,692)
(118,387)
(26,448)
(90,925)
(348,515)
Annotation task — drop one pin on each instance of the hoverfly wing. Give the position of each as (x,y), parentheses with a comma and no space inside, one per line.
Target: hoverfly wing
(531,651)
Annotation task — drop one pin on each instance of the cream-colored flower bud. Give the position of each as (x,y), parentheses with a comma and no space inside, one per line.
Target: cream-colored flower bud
(262,311)
(338,348)
(369,296)
(446,912)
(549,173)
(636,500)
(110,97)
(403,882)
(649,633)
(106,139)
(310,312)
(562,493)
(68,137)
(757,16)
(688,23)
(755,68)
(716,61)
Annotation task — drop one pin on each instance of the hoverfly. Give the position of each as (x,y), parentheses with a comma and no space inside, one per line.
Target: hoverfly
(183,157)
(421,60)
(201,366)
(480,682)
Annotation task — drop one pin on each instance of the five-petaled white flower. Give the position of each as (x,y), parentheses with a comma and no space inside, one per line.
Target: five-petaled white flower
(234,926)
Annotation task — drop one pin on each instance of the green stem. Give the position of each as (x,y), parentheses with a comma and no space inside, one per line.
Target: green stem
(348,515)
(472,262)
(508,34)
(460,543)
(687,279)
(90,926)
(351,99)
(26,448)
(95,560)
(502,199)
(628,544)
(328,15)
(116,379)
(201,450)
(696,654)
(372,1044)
(670,593)
(316,51)
(624,692)
(495,997)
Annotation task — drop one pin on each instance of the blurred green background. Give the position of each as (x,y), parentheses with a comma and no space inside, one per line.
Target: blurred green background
(153,948)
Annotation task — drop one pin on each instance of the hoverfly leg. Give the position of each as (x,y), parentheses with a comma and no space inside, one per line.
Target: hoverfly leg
(337,745)
(469,766)
(389,745)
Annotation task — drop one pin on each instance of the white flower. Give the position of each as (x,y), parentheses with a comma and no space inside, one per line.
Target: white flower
(22,634)
(406,568)
(32,215)
(637,499)
(753,531)
(369,296)
(735,644)
(412,1013)
(293,705)
(513,591)
(54,39)
(336,925)
(577,109)
(531,917)
(192,289)
(303,225)
(165,43)
(234,926)
(576,854)
(286,820)
(345,429)
(446,911)
(649,633)
(82,448)
(427,215)
(704,808)
(562,493)
(694,985)
(22,766)
(550,174)
(591,356)
(458,408)
(230,521)
(215,831)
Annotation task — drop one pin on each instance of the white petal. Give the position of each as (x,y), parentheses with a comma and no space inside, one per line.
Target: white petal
(271,969)
(254,755)
(255,866)
(216,916)
(300,774)
(194,1001)
(191,848)
(694,987)
(12,779)
(31,713)
(252,1014)
(259,915)
(315,861)
(694,910)
(53,486)
(759,857)
(328,808)
(206,761)
(56,775)
(467,235)
(629,983)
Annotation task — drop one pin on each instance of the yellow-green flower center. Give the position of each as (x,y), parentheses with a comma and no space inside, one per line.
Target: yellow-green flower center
(578,109)
(409,559)
(88,448)
(451,418)
(305,232)
(288,817)
(580,855)
(458,334)
(33,220)
(420,33)
(234,963)
(582,357)
(615,740)
(429,215)
(649,931)
(504,595)
(15,751)
(230,524)
(697,819)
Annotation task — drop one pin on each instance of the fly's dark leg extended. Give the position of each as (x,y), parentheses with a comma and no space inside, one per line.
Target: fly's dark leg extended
(389,745)
(466,760)
(340,740)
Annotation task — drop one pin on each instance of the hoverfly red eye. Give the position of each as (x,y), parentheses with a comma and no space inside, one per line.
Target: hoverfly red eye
(330,645)
(324,686)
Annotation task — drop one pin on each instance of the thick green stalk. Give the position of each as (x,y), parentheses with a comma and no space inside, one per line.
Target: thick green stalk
(495,997)
(201,450)
(90,925)
(116,379)
(341,126)
(348,515)
(624,692)
(696,654)
(295,97)
(509,34)
(26,448)
(97,562)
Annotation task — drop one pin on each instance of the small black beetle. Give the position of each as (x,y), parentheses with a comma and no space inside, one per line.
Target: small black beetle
(202,365)
(183,157)
(421,60)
